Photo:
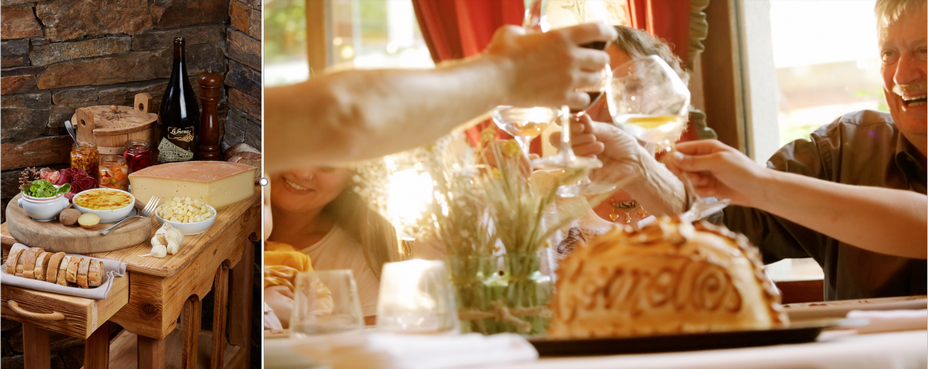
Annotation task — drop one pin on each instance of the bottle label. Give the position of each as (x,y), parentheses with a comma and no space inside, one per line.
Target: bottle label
(170,153)
(182,134)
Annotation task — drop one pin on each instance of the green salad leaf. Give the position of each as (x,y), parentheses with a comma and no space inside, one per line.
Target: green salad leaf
(42,188)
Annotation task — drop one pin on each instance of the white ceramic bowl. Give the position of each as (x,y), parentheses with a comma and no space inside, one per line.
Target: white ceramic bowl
(42,209)
(188,229)
(106,216)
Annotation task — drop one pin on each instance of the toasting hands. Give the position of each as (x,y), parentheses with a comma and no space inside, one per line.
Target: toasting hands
(717,170)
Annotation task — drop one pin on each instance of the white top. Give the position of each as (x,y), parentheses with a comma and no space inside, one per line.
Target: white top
(338,250)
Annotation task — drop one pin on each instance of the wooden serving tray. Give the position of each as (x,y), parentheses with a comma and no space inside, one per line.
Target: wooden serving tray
(54,236)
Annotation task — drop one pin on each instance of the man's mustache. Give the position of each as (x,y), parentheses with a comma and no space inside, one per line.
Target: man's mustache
(915,88)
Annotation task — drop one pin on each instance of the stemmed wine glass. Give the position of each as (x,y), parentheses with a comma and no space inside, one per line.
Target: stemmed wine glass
(565,158)
(647,99)
(523,124)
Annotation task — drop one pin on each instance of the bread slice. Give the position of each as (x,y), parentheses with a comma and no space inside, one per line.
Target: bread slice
(51,273)
(71,275)
(82,270)
(62,279)
(28,260)
(95,274)
(12,260)
(41,263)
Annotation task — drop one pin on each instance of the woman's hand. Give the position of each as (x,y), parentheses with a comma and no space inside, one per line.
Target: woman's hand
(280,299)
(718,170)
(620,152)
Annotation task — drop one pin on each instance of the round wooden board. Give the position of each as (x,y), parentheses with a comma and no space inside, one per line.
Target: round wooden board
(54,236)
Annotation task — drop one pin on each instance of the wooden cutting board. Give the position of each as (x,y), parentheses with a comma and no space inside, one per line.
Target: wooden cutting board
(54,236)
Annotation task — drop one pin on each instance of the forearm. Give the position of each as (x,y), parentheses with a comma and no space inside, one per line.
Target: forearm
(657,190)
(881,220)
(359,115)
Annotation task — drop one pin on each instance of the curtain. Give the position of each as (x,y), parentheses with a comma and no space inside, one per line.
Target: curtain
(456,29)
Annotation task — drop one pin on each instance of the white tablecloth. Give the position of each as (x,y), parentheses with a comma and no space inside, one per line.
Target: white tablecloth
(897,350)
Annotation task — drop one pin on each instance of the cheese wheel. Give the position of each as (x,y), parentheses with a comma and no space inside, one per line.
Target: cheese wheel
(12,260)
(71,274)
(63,270)
(51,273)
(28,259)
(82,269)
(41,263)
(95,274)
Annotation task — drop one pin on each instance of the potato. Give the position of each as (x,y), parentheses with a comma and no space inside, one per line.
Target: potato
(69,217)
(88,220)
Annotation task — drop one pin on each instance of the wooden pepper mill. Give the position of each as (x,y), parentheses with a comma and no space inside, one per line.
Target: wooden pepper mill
(210,129)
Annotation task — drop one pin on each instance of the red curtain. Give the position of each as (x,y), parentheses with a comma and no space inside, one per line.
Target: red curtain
(456,29)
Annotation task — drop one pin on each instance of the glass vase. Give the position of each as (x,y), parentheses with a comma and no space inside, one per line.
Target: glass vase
(501,293)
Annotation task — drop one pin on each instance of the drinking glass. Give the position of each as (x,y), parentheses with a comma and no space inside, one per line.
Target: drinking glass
(325,303)
(416,297)
(535,20)
(648,100)
(523,124)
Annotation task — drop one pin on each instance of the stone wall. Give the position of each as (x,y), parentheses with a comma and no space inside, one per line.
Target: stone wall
(59,55)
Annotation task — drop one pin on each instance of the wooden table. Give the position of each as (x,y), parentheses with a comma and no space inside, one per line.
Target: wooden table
(159,291)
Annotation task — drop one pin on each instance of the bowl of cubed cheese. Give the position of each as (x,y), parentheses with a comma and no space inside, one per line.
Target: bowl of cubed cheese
(190,216)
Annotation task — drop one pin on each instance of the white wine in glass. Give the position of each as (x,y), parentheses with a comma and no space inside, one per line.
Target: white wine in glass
(524,124)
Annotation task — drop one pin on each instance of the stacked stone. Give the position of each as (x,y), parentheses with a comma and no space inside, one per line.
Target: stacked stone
(243,80)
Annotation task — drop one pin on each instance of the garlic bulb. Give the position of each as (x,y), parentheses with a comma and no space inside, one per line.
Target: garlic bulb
(166,240)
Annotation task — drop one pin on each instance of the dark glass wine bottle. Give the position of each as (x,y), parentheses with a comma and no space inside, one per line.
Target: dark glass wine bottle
(179,114)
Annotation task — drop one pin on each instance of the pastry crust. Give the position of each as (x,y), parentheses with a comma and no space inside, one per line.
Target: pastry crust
(95,273)
(82,269)
(51,273)
(71,274)
(63,270)
(12,260)
(28,259)
(666,278)
(41,263)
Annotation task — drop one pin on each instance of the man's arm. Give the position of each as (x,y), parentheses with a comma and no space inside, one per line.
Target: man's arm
(361,114)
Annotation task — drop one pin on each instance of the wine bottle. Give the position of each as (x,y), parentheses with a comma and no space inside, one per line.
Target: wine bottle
(179,114)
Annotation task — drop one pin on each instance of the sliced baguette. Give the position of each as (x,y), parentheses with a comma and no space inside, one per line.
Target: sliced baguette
(71,274)
(95,274)
(12,260)
(41,263)
(28,260)
(63,271)
(51,273)
(82,270)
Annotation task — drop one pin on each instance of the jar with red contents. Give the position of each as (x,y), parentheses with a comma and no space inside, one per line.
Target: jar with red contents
(137,154)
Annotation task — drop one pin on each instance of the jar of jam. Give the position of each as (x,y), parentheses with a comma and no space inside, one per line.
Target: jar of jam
(114,173)
(84,155)
(137,155)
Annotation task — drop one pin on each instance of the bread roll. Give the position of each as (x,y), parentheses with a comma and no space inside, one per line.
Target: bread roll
(669,277)
(82,269)
(63,270)
(71,275)
(28,259)
(41,263)
(95,273)
(54,262)
(12,260)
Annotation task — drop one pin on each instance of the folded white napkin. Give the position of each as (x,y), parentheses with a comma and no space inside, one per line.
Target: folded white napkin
(452,351)
(111,268)
(890,320)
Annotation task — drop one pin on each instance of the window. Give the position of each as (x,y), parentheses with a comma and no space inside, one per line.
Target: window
(358,33)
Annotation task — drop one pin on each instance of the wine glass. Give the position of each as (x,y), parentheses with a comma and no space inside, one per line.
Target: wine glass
(535,20)
(523,124)
(648,100)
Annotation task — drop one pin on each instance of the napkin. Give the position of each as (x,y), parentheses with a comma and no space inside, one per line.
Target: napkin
(451,351)
(890,320)
(112,269)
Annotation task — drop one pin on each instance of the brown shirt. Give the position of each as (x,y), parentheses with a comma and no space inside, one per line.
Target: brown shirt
(862,148)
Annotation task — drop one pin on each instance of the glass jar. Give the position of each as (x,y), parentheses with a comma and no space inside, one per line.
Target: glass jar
(137,155)
(114,172)
(84,155)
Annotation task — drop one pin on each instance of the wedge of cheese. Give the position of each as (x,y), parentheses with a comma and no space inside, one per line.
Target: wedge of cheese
(216,183)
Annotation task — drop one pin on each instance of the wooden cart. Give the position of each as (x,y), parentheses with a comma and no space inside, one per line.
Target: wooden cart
(154,293)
